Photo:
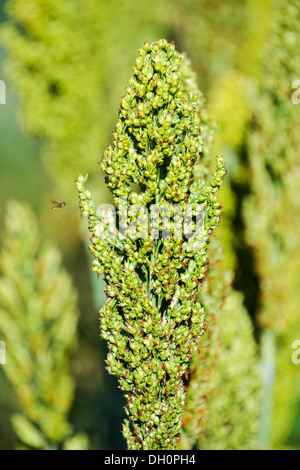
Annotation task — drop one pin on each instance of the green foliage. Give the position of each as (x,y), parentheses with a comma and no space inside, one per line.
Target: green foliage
(272,209)
(223,407)
(65,81)
(233,405)
(68,61)
(152,319)
(210,26)
(229,420)
(28,432)
(230,96)
(65,84)
(221,36)
(199,386)
(229,101)
(38,319)
(60,99)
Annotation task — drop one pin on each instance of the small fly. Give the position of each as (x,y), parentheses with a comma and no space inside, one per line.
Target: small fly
(58,205)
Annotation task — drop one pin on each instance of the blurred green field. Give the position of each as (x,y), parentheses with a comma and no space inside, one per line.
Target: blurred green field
(66,65)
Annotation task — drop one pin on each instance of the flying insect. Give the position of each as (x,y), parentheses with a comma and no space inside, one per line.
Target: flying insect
(58,205)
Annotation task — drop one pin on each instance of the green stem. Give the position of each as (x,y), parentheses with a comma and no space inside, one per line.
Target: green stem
(268,353)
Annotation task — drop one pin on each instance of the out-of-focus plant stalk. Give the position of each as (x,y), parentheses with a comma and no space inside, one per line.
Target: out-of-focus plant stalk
(271,212)
(38,320)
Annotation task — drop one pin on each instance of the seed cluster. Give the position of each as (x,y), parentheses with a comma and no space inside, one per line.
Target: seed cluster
(153,319)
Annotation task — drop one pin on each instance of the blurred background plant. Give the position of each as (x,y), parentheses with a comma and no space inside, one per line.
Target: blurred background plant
(38,321)
(65,65)
(224,407)
(272,214)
